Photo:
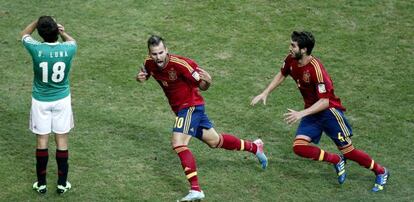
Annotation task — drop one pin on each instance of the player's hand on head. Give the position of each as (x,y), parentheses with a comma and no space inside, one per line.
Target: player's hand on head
(61,28)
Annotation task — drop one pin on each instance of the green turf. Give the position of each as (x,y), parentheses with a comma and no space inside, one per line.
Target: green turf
(120,150)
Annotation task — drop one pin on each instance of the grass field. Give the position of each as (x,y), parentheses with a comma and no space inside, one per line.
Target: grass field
(120,150)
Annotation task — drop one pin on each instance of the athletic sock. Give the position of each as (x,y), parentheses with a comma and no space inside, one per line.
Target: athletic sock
(302,148)
(189,166)
(42,157)
(63,166)
(231,142)
(363,159)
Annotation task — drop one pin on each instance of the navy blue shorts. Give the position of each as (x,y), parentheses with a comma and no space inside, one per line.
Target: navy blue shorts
(331,121)
(192,121)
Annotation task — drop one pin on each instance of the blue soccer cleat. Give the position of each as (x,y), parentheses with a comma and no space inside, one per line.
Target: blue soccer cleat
(340,170)
(380,181)
(260,153)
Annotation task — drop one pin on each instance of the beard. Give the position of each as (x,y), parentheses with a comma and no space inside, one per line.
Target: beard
(297,55)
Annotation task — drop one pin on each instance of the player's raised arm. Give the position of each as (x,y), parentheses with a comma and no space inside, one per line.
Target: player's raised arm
(65,36)
(205,80)
(29,28)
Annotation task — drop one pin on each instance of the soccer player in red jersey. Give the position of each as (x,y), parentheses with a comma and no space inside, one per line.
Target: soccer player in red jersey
(323,111)
(181,78)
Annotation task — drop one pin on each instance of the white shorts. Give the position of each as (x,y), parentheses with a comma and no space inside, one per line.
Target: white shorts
(55,116)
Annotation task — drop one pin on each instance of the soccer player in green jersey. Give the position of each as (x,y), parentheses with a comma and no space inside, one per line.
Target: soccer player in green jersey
(51,109)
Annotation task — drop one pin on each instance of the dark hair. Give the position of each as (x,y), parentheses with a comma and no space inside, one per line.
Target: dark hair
(155,40)
(47,29)
(304,40)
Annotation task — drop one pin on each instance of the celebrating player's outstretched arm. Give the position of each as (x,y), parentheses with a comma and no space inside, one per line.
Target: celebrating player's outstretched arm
(279,78)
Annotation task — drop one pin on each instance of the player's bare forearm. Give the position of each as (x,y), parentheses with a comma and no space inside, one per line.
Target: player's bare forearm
(293,116)
(29,28)
(65,36)
(277,80)
(318,106)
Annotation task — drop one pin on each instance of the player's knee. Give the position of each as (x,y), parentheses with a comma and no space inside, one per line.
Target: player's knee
(180,148)
(299,147)
(347,150)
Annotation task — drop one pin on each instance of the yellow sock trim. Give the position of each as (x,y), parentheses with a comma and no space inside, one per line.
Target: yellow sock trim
(191,175)
(241,145)
(372,165)
(321,155)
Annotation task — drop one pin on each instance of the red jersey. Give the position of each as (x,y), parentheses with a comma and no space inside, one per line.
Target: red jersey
(312,80)
(179,80)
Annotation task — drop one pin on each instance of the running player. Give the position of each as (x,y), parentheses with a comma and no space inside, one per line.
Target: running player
(323,111)
(181,78)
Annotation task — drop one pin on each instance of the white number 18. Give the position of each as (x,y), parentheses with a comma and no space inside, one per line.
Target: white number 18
(58,71)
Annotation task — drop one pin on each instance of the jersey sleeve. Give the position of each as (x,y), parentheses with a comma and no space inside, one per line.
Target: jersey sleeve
(30,43)
(189,70)
(285,70)
(321,80)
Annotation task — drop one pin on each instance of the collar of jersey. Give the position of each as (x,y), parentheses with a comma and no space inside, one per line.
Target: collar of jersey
(54,43)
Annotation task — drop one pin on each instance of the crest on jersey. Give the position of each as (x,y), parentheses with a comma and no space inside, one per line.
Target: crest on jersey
(321,88)
(306,77)
(172,75)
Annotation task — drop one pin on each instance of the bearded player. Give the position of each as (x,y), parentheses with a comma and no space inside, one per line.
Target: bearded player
(181,79)
(323,111)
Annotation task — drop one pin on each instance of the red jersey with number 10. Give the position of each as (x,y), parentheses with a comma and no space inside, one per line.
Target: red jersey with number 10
(312,80)
(179,80)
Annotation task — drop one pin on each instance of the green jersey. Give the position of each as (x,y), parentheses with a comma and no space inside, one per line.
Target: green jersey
(51,67)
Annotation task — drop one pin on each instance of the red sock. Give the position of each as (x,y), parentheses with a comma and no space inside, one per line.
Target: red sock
(189,165)
(302,148)
(231,142)
(364,159)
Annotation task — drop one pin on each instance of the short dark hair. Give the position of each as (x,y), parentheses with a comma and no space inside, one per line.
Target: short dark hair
(304,40)
(47,29)
(155,40)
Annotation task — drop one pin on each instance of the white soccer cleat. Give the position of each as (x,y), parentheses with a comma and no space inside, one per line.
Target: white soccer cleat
(62,189)
(41,189)
(260,153)
(194,195)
